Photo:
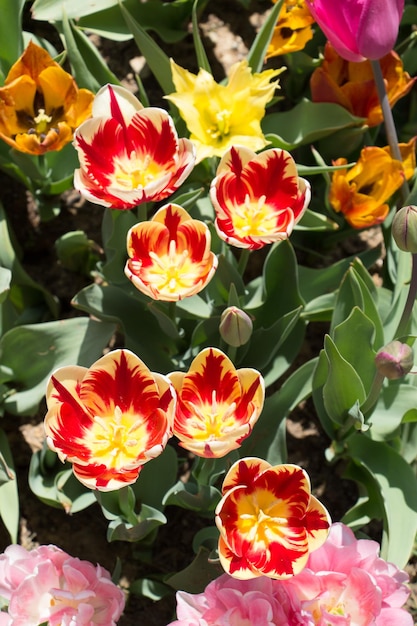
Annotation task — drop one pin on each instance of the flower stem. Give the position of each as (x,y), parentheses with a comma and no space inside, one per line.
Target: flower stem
(389,123)
(411,297)
(243,260)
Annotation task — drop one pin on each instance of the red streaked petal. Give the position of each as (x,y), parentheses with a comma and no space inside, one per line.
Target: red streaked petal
(104,479)
(236,566)
(317,522)
(244,472)
(234,160)
(211,370)
(127,103)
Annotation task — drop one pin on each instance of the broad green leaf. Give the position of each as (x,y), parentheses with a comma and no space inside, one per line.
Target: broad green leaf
(142,332)
(359,353)
(29,300)
(196,577)
(319,309)
(397,483)
(320,375)
(89,68)
(315,221)
(203,498)
(395,400)
(305,123)
(11,40)
(5,280)
(257,53)
(9,497)
(146,587)
(343,387)
(268,438)
(148,520)
(52,9)
(31,353)
(154,55)
(151,491)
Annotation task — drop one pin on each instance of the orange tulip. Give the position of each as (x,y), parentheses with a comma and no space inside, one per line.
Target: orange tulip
(352,85)
(40,104)
(293,29)
(170,257)
(268,520)
(361,192)
(109,419)
(217,404)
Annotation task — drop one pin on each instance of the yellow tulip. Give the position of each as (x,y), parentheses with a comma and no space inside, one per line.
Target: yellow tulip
(219,116)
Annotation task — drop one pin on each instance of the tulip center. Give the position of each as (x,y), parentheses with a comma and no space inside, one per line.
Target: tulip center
(212,421)
(221,124)
(261,517)
(172,272)
(253,218)
(131,172)
(117,439)
(42,121)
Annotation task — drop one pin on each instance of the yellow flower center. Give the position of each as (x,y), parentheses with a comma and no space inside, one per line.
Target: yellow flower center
(118,439)
(131,172)
(173,272)
(253,218)
(260,518)
(213,420)
(42,121)
(221,124)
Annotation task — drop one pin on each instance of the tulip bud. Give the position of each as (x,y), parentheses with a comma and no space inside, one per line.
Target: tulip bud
(394,360)
(404,228)
(235,326)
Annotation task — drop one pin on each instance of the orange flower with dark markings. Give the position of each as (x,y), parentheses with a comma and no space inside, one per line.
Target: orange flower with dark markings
(129,154)
(258,198)
(170,257)
(109,419)
(40,104)
(268,520)
(217,406)
(352,85)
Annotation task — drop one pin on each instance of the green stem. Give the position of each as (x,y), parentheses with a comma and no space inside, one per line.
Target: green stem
(389,123)
(142,212)
(243,260)
(411,297)
(373,395)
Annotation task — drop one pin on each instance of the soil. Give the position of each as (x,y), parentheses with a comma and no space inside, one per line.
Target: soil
(228,30)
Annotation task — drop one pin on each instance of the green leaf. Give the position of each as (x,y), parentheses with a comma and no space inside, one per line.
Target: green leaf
(89,68)
(203,498)
(202,60)
(268,438)
(151,491)
(31,353)
(397,484)
(343,387)
(358,353)
(52,9)
(146,587)
(142,332)
(149,519)
(196,577)
(315,221)
(305,123)
(154,55)
(395,400)
(11,40)
(257,53)
(9,497)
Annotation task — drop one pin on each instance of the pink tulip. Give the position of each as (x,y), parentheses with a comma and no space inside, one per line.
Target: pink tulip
(47,585)
(359,29)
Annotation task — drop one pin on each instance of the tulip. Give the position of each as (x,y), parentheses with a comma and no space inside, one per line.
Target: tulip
(40,104)
(217,406)
(129,154)
(109,419)
(394,360)
(258,198)
(404,228)
(293,29)
(213,112)
(235,326)
(359,29)
(170,257)
(268,520)
(352,85)
(361,192)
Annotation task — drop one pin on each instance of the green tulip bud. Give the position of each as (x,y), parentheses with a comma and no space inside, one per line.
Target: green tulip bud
(404,228)
(394,360)
(235,326)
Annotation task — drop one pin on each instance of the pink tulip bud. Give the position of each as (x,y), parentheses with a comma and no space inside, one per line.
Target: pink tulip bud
(235,326)
(404,229)
(394,360)
(359,29)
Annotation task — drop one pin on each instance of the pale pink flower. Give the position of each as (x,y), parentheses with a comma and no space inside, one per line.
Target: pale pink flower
(48,585)
(346,583)
(230,602)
